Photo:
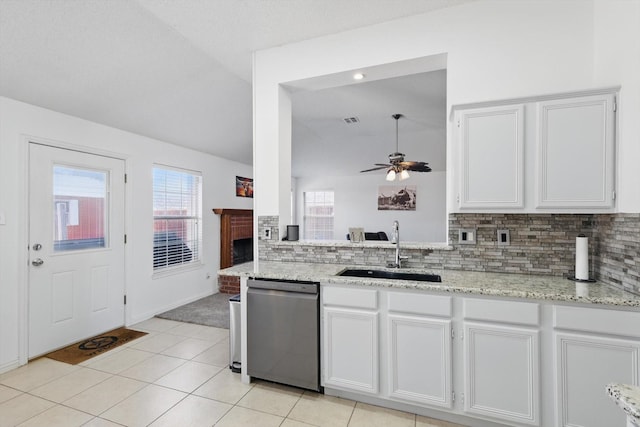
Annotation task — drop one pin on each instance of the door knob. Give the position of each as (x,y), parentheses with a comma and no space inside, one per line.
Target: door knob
(37,262)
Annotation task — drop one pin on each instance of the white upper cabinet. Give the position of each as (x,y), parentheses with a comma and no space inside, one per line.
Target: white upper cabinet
(576,152)
(492,141)
(551,153)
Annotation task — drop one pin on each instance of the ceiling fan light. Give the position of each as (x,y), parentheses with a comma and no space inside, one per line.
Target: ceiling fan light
(403,175)
(391,175)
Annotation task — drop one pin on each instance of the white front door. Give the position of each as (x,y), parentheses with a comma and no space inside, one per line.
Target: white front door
(76,246)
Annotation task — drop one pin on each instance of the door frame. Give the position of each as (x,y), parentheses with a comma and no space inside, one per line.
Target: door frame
(23,230)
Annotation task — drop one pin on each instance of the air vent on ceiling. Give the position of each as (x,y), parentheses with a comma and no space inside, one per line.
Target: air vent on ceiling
(351,120)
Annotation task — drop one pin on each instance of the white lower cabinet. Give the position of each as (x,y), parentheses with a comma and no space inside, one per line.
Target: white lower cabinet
(586,362)
(509,363)
(351,349)
(419,359)
(501,365)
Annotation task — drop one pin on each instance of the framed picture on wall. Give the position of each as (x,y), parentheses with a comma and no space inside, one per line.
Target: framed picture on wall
(397,198)
(244,187)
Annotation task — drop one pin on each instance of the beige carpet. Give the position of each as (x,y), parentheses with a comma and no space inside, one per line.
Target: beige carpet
(209,311)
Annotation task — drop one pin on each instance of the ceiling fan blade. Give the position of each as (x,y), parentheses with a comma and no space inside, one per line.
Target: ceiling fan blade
(416,166)
(383,164)
(375,169)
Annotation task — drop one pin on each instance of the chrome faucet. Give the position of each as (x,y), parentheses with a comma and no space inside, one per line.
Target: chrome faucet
(396,239)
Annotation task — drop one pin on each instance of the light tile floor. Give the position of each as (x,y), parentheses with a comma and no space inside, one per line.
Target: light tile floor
(177,375)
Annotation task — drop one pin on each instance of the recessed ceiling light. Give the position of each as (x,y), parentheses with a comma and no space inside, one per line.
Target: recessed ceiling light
(358,76)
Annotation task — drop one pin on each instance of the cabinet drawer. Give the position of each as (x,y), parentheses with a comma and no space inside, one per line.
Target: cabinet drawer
(350,297)
(433,305)
(524,313)
(596,320)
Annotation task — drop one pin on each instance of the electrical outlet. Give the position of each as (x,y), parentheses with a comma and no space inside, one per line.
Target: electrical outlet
(503,238)
(266,233)
(467,236)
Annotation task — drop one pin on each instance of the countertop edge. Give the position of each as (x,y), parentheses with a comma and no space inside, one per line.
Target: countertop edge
(626,397)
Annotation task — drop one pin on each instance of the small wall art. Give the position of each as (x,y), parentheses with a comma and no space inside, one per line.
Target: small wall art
(244,187)
(397,198)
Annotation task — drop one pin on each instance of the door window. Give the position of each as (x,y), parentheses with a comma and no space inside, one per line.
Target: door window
(79,208)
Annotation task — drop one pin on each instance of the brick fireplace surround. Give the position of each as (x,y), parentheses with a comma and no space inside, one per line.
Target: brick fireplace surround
(235,224)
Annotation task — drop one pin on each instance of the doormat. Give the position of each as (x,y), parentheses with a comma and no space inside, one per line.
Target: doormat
(86,349)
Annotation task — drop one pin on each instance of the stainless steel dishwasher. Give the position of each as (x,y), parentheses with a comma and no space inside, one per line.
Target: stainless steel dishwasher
(283,332)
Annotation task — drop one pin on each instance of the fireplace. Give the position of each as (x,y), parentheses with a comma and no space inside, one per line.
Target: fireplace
(236,244)
(235,225)
(242,251)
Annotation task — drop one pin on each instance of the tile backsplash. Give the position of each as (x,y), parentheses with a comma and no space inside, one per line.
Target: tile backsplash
(618,250)
(539,244)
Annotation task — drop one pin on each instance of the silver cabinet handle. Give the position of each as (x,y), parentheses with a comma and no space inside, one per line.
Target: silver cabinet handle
(37,262)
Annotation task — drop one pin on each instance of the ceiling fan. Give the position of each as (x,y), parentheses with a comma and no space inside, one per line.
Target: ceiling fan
(397,166)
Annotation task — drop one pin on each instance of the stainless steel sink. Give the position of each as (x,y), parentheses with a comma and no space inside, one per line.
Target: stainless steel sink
(385,274)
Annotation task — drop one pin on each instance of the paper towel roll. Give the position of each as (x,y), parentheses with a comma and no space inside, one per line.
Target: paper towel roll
(582,257)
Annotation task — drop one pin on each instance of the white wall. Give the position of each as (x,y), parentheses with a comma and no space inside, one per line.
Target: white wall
(356,205)
(495,50)
(145,296)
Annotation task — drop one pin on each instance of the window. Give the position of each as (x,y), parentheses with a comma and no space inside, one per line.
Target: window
(177,217)
(79,208)
(318,215)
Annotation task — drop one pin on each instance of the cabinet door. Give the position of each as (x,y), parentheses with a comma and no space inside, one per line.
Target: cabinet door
(576,152)
(420,360)
(492,157)
(502,372)
(350,351)
(584,366)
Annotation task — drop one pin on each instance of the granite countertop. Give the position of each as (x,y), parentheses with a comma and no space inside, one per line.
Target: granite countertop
(466,282)
(628,398)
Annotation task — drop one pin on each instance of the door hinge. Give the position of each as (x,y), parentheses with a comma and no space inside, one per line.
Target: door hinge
(125,300)
(458,122)
(613,195)
(125,178)
(615,104)
(462,398)
(453,396)
(453,334)
(125,239)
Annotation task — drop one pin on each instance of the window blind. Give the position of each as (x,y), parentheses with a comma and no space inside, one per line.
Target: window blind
(177,217)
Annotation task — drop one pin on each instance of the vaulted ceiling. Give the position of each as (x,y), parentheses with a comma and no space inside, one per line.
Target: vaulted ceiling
(174,70)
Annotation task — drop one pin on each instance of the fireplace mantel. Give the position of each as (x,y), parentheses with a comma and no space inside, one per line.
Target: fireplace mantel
(226,211)
(234,224)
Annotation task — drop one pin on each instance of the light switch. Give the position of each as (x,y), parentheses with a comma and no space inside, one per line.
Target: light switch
(3,219)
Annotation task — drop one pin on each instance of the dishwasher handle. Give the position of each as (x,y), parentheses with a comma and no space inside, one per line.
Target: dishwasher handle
(287,286)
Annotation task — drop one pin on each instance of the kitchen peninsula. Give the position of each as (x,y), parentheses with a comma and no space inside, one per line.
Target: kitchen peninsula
(485,349)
